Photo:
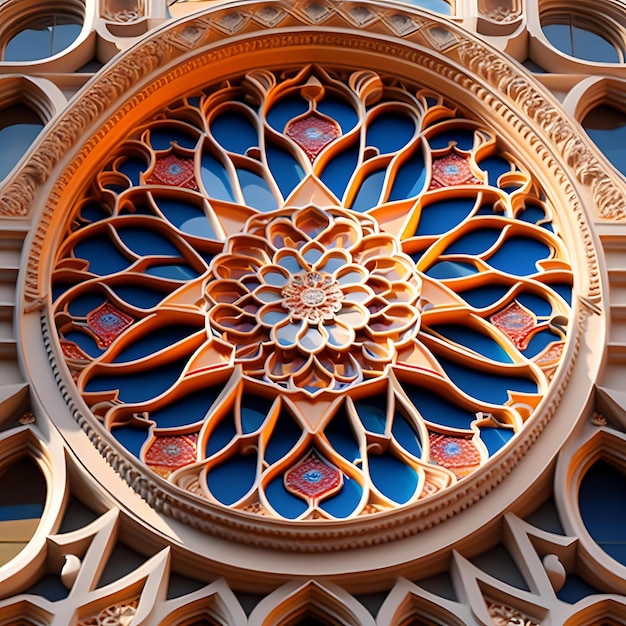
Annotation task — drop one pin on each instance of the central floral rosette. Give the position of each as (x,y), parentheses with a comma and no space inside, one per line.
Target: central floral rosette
(313,297)
(313,300)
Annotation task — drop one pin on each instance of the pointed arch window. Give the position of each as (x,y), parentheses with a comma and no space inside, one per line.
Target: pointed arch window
(19,127)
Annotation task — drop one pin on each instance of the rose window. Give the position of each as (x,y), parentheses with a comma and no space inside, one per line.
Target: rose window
(312,295)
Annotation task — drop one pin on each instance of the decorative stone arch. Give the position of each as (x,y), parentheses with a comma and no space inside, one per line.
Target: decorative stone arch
(222,43)
(324,601)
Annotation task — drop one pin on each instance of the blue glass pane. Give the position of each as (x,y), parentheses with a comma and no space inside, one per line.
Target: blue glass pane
(392,477)
(538,305)
(131,438)
(94,212)
(437,410)
(410,178)
(85,303)
(463,138)
(406,435)
(372,413)
(519,255)
(221,435)
(495,438)
(539,342)
(141,297)
(448,270)
(575,589)
(163,137)
(474,340)
(475,242)
(234,132)
(390,132)
(494,166)
(215,179)
(532,214)
(442,216)
(338,172)
(139,386)
(253,413)
(486,386)
(86,343)
(145,242)
(339,433)
(482,297)
(256,193)
(285,110)
(369,193)
(343,503)
(187,218)
(20,511)
(340,111)
(232,479)
(581,43)
(103,256)
(565,291)
(49,36)
(19,127)
(438,6)
(287,172)
(285,435)
(285,503)
(188,409)
(607,128)
(132,168)
(115,187)
(154,341)
(604,485)
(174,272)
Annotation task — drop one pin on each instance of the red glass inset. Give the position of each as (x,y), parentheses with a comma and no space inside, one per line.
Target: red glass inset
(313,478)
(108,323)
(313,133)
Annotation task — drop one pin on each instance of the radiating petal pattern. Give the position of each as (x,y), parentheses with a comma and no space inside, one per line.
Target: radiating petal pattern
(312,302)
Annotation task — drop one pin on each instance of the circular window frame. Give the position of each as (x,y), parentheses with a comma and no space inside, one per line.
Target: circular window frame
(460,67)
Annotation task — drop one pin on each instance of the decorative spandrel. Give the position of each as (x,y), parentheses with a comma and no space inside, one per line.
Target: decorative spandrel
(312,295)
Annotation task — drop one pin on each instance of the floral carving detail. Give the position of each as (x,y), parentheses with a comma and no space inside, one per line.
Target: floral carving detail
(313,297)
(330,307)
(116,615)
(502,615)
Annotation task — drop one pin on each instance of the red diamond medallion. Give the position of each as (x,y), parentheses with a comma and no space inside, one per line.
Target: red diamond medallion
(108,323)
(516,322)
(174,171)
(168,453)
(458,454)
(451,170)
(313,478)
(313,133)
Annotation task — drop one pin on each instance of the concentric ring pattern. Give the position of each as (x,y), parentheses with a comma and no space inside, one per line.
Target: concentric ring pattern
(312,294)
